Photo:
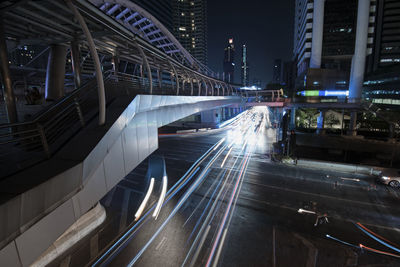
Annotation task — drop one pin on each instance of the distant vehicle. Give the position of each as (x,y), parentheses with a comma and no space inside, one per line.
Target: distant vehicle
(390,177)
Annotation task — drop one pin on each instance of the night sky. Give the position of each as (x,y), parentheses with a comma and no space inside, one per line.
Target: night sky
(265,26)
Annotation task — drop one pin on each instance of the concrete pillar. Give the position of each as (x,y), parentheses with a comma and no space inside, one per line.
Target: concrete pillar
(9,97)
(359,59)
(321,123)
(76,63)
(360,51)
(317,33)
(55,74)
(292,119)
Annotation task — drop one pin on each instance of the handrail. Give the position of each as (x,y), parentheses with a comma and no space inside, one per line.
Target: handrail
(41,137)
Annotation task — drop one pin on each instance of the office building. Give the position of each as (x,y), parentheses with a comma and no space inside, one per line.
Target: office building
(161,10)
(190,26)
(229,62)
(328,35)
(382,81)
(245,67)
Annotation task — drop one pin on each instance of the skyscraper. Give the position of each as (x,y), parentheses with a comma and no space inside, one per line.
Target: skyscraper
(190,26)
(325,41)
(382,83)
(229,62)
(245,67)
(161,10)
(277,72)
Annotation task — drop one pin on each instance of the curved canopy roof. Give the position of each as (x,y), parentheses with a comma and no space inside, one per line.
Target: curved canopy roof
(142,23)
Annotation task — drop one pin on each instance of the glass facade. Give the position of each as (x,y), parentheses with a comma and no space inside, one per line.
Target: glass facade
(190,26)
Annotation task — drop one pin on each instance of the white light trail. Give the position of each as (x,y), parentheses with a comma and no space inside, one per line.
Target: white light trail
(145,200)
(301,211)
(219,143)
(162,197)
(223,162)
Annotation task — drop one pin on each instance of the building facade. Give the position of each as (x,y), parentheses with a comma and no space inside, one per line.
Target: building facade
(382,81)
(245,67)
(161,10)
(190,26)
(325,41)
(229,62)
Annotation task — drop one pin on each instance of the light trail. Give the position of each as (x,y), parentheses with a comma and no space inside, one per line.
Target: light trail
(226,212)
(229,152)
(376,237)
(179,205)
(145,200)
(211,212)
(219,143)
(219,178)
(233,197)
(162,197)
(121,242)
(340,241)
(379,251)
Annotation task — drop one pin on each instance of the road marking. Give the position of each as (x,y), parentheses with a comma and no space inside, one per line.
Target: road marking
(337,217)
(350,179)
(319,195)
(163,240)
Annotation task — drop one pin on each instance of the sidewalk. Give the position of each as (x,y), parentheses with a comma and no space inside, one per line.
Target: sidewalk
(334,166)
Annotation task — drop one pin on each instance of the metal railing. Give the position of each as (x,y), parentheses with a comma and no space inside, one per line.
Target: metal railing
(25,144)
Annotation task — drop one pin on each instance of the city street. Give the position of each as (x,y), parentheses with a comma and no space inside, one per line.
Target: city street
(228,205)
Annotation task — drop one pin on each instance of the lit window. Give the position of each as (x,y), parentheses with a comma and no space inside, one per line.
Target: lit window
(182,29)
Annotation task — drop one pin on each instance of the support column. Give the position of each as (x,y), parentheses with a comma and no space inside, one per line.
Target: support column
(293,118)
(321,123)
(146,62)
(360,51)
(198,85)
(93,52)
(317,33)
(176,77)
(359,59)
(9,97)
(55,74)
(76,63)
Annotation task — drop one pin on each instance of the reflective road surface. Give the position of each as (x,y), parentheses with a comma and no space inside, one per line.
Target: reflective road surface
(224,203)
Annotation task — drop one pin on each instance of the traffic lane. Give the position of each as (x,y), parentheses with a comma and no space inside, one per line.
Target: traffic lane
(317,182)
(146,233)
(253,228)
(146,229)
(337,206)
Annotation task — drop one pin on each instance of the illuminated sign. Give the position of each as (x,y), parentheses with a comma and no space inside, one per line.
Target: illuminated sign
(324,93)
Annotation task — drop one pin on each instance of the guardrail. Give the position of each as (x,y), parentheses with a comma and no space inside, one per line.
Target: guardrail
(25,144)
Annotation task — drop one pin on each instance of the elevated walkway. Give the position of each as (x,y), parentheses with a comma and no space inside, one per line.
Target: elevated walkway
(85,161)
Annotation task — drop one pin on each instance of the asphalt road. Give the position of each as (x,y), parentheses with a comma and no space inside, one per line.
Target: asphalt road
(235,207)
